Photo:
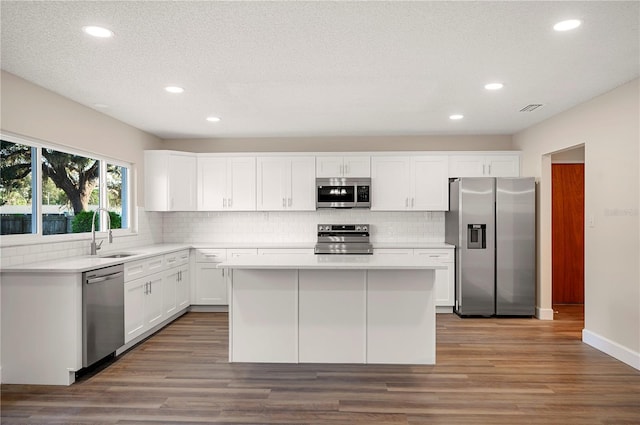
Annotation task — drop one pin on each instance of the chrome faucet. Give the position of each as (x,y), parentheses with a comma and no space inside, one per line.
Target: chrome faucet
(95,247)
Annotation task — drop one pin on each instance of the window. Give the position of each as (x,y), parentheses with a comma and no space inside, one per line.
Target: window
(17,186)
(66,190)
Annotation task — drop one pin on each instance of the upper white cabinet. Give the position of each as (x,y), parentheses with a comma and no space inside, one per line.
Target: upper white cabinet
(409,183)
(490,165)
(170,181)
(343,166)
(226,183)
(286,183)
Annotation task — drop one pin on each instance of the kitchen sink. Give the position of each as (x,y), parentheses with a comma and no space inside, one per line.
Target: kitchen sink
(118,255)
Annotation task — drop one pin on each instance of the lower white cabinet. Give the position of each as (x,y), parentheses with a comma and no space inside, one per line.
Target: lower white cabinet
(445,278)
(143,307)
(155,289)
(211,284)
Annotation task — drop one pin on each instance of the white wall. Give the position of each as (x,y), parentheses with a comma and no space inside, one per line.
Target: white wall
(343,144)
(608,126)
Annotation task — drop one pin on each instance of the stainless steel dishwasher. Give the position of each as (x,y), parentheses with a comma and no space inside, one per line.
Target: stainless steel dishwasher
(102,313)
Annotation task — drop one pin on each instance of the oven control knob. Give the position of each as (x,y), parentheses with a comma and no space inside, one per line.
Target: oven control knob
(358,228)
(364,228)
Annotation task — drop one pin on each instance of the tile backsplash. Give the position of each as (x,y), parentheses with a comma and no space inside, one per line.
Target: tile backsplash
(149,232)
(298,227)
(241,228)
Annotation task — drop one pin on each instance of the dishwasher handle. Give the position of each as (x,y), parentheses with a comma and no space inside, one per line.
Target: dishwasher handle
(104,278)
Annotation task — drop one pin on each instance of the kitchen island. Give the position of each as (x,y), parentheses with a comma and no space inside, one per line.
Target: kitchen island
(331,309)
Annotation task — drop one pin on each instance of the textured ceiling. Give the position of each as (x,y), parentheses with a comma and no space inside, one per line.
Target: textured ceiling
(323,68)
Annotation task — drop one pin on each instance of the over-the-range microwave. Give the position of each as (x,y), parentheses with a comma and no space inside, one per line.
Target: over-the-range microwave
(343,193)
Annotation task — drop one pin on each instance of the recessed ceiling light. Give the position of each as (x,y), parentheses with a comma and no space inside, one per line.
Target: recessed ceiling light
(98,31)
(213,119)
(456,117)
(493,86)
(174,89)
(567,25)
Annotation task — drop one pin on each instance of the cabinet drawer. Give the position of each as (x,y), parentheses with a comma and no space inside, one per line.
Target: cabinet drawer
(176,259)
(140,268)
(211,255)
(440,255)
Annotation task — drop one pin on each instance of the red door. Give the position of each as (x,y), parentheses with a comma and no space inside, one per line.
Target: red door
(567,215)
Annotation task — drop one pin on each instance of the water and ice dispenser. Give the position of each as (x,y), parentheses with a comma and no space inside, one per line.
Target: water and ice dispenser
(476,236)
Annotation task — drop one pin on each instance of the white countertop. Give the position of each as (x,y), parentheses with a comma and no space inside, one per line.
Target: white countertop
(90,262)
(312,261)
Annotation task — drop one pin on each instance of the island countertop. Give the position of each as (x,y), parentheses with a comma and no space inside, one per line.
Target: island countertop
(330,261)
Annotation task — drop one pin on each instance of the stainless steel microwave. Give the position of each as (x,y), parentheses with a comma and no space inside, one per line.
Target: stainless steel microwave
(343,193)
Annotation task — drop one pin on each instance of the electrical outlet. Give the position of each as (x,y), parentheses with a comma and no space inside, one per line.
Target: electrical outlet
(591,221)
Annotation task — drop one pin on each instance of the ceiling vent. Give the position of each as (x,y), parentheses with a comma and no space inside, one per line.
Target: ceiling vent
(531,107)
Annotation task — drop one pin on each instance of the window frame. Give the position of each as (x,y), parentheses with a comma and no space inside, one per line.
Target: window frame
(36,201)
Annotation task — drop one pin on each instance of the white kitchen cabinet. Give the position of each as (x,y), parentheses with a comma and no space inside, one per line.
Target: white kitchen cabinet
(143,307)
(484,165)
(411,183)
(175,293)
(445,278)
(170,181)
(392,251)
(226,183)
(286,183)
(343,166)
(211,284)
(338,337)
(286,251)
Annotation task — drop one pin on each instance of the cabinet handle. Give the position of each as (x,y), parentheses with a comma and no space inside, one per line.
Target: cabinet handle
(284,202)
(289,201)
(412,202)
(489,167)
(483,169)
(224,202)
(406,202)
(150,288)
(222,272)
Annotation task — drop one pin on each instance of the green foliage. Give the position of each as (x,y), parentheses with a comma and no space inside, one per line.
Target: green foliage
(82,221)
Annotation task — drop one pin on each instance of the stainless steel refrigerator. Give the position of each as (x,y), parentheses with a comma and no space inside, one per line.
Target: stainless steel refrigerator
(491,222)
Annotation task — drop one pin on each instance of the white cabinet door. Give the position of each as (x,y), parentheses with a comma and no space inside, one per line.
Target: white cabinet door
(302,184)
(329,166)
(430,183)
(182,183)
(484,165)
(273,176)
(466,166)
(212,183)
(211,288)
(182,289)
(153,308)
(390,183)
(503,165)
(241,184)
(338,166)
(357,166)
(286,183)
(169,292)
(445,278)
(170,181)
(392,251)
(134,317)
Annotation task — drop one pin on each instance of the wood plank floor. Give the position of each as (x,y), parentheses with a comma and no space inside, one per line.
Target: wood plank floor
(488,371)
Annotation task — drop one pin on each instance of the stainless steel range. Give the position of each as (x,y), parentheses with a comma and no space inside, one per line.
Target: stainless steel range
(343,239)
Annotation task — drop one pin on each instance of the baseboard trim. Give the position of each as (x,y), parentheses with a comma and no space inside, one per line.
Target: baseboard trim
(209,308)
(611,348)
(544,313)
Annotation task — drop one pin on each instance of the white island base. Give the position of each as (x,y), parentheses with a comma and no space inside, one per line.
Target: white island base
(315,310)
